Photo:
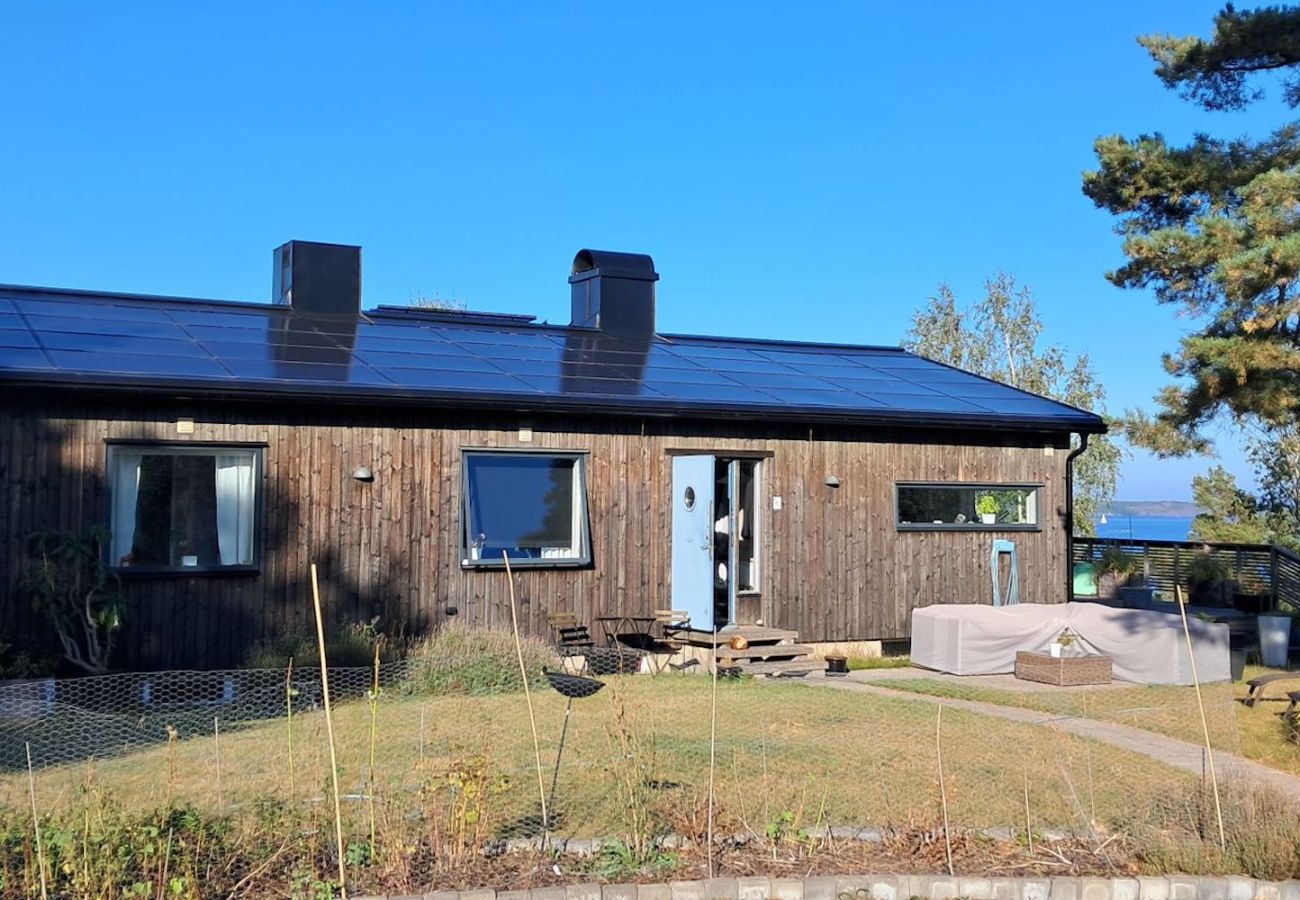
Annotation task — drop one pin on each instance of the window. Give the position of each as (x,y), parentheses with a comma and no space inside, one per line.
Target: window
(967,506)
(183,507)
(529,506)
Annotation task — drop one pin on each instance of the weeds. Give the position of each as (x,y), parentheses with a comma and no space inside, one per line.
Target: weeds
(460,660)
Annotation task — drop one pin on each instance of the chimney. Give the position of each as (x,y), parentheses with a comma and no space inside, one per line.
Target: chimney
(614,292)
(322,279)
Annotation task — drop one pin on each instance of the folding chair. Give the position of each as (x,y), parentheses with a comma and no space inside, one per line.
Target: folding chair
(672,623)
(572,640)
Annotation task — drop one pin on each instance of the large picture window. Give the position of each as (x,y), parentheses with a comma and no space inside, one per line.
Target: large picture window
(528,506)
(967,506)
(183,507)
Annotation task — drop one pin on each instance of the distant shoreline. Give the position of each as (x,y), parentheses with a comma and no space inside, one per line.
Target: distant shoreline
(1179,508)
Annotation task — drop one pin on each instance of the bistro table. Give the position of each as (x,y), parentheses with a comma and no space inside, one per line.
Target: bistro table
(630,631)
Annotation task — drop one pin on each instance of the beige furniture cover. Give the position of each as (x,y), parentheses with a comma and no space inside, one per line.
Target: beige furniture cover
(1147,647)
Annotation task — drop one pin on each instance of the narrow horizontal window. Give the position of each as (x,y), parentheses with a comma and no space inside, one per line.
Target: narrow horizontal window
(530,507)
(967,506)
(183,508)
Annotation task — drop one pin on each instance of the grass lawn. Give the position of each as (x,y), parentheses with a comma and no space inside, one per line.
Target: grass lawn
(1257,733)
(788,756)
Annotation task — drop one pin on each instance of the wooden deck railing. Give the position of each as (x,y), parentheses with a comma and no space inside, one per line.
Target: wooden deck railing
(1257,568)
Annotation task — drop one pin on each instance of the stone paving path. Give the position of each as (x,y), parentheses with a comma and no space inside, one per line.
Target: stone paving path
(1171,751)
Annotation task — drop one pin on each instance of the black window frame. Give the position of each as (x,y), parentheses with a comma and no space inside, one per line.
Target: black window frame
(580,459)
(1036,487)
(258,449)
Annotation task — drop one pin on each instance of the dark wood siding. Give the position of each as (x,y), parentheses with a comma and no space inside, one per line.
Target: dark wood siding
(833,565)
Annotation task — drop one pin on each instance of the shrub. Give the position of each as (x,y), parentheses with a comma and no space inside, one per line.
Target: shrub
(462,660)
(71,585)
(1206,568)
(349,647)
(1114,561)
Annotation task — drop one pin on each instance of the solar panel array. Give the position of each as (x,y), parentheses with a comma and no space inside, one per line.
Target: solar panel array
(112,340)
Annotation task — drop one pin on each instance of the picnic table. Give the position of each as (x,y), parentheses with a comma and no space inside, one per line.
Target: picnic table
(1258,684)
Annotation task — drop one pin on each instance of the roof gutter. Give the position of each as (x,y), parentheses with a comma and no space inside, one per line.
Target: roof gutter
(638,407)
(1069,513)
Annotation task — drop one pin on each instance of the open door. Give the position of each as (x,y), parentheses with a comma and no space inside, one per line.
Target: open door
(693,571)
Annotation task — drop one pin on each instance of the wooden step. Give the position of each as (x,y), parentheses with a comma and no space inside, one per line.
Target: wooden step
(763,651)
(755,634)
(786,667)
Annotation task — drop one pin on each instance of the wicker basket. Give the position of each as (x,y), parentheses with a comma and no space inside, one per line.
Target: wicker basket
(1062,671)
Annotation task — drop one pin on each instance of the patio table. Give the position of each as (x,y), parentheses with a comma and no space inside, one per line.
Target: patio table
(619,628)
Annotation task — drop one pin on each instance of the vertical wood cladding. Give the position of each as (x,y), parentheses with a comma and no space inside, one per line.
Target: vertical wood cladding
(832,564)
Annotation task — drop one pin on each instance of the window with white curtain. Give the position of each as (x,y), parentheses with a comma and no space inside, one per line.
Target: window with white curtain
(183,507)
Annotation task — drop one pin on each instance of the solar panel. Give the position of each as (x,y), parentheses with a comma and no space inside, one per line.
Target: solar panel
(56,336)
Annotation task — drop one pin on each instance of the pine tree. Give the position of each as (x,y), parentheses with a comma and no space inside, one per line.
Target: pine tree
(998,337)
(1213,227)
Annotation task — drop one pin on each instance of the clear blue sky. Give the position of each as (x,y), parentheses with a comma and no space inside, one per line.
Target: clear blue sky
(797,171)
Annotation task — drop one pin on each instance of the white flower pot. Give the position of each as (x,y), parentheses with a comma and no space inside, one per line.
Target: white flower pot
(989,518)
(1274,640)
(1054,648)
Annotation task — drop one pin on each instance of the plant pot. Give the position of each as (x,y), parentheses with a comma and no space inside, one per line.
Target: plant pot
(837,665)
(1109,584)
(1237,663)
(989,518)
(1274,640)
(1136,597)
(1054,649)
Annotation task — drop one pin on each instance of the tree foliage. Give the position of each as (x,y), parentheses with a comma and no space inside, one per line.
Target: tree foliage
(1213,227)
(1216,73)
(1270,516)
(999,337)
(70,584)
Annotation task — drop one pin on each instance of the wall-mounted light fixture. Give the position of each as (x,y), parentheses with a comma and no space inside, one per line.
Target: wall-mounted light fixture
(363,473)
(832,481)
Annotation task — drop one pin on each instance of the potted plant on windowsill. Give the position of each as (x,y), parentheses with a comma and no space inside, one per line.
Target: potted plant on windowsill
(987,508)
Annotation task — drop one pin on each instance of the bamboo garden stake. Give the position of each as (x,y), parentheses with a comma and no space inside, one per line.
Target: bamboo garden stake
(528,698)
(943,788)
(374,723)
(36,823)
(713,742)
(1205,725)
(329,730)
(216,749)
(288,722)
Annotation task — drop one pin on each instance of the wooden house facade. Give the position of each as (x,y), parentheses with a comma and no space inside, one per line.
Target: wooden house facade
(227,447)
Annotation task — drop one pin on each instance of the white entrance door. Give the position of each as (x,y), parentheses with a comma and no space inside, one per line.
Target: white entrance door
(692,584)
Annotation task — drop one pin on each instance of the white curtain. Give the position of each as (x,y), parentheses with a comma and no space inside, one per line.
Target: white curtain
(126,488)
(235,508)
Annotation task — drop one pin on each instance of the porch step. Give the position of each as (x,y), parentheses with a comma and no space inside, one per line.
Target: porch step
(763,651)
(777,668)
(755,634)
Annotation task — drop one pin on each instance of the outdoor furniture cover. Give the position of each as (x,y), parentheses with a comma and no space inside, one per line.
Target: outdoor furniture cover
(1147,647)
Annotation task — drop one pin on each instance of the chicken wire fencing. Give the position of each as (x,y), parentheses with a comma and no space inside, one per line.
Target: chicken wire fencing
(441,754)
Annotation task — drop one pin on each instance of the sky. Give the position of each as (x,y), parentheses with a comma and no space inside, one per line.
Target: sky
(797,171)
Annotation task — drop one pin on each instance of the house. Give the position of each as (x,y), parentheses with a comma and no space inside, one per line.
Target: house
(823,489)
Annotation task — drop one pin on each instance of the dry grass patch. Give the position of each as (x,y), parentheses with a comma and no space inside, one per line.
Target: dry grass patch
(789,756)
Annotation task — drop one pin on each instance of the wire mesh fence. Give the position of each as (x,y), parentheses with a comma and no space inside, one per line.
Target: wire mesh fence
(437,762)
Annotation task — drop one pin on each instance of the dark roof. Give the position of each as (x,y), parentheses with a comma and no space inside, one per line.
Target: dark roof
(102,341)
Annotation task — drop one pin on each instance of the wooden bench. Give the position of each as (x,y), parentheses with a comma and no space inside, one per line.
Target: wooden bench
(1258,684)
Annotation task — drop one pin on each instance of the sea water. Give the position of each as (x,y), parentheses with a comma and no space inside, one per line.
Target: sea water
(1150,528)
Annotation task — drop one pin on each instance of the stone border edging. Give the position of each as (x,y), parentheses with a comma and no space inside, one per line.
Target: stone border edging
(901,887)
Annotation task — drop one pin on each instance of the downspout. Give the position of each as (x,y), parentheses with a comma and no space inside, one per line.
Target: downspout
(1069,514)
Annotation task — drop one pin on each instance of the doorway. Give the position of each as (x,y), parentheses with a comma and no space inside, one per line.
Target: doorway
(715,539)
